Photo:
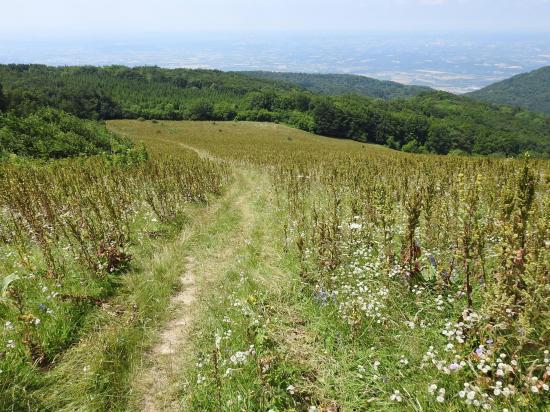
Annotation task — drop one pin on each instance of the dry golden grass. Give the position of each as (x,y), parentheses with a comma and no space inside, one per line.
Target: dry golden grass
(240,140)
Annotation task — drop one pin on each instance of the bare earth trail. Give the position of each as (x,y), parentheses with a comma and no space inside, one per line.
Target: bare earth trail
(211,250)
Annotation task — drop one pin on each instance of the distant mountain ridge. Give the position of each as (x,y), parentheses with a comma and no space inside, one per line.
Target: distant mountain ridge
(528,90)
(341,84)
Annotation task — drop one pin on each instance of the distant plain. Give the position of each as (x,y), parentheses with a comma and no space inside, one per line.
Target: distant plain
(453,62)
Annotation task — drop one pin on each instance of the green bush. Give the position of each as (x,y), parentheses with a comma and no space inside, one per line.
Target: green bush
(53,134)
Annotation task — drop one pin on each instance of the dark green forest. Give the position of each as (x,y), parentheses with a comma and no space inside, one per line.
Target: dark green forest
(3,99)
(340,84)
(432,122)
(528,90)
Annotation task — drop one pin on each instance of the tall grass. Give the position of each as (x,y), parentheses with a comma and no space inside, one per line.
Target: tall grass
(421,282)
(70,232)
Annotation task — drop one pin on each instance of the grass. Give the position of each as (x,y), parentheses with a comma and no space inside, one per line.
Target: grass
(238,308)
(268,335)
(240,141)
(302,303)
(96,374)
(74,328)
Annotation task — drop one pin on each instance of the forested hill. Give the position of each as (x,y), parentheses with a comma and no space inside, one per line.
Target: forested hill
(433,122)
(121,92)
(340,84)
(529,90)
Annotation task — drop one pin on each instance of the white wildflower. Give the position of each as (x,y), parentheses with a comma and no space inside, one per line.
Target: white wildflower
(396,396)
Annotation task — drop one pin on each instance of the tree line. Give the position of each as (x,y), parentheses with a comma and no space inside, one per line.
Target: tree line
(432,122)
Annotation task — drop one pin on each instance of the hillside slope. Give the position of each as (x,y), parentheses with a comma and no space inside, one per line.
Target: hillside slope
(529,90)
(339,84)
(300,305)
(428,123)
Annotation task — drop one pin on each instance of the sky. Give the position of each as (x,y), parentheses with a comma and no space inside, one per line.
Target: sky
(45,18)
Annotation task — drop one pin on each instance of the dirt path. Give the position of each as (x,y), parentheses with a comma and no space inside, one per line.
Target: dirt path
(208,258)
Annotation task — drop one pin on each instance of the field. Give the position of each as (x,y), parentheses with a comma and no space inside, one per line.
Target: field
(255,267)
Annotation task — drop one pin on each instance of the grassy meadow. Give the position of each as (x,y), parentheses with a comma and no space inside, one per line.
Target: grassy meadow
(373,279)
(330,275)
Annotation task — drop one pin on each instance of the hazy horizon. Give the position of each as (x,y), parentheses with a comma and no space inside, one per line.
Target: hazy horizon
(451,61)
(453,45)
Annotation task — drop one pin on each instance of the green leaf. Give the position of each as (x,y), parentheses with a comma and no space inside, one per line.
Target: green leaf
(6,282)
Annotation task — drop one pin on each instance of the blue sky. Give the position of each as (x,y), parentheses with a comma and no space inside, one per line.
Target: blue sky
(91,17)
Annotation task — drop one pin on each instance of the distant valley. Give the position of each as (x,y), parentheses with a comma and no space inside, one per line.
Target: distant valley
(453,62)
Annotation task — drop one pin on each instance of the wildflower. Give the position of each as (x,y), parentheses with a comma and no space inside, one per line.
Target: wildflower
(454,366)
(291,389)
(441,397)
(396,396)
(10,344)
(240,358)
(432,388)
(498,388)
(8,325)
(439,303)
(410,324)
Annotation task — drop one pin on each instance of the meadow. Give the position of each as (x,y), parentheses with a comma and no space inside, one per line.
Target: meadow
(327,274)
(76,239)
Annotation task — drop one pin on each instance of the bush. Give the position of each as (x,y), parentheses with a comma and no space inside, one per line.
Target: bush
(51,133)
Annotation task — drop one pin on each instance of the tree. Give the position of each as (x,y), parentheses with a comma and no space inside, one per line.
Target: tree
(261,100)
(327,119)
(412,147)
(3,100)
(201,110)
(440,138)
